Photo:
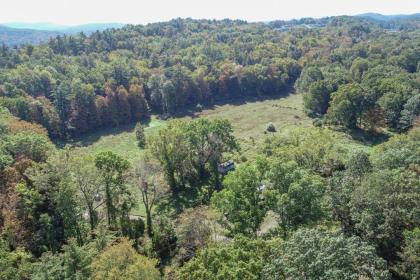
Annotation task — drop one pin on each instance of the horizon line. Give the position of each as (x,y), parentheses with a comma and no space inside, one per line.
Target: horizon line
(217,19)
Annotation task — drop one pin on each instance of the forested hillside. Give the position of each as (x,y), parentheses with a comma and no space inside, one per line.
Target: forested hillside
(335,199)
(19,33)
(76,84)
(15,37)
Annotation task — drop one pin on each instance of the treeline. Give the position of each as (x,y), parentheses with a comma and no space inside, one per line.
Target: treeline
(366,97)
(371,85)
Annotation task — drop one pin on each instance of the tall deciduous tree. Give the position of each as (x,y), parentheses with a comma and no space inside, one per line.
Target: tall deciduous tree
(87,180)
(208,141)
(148,178)
(112,168)
(295,195)
(383,206)
(61,97)
(52,202)
(313,254)
(138,104)
(347,106)
(155,86)
(118,105)
(317,100)
(241,201)
(410,113)
(308,76)
(83,115)
(170,148)
(194,231)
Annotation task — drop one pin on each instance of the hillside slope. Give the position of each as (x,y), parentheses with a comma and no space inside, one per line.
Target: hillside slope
(14,36)
(19,33)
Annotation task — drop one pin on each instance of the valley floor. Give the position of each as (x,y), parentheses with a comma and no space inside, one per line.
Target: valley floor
(249,120)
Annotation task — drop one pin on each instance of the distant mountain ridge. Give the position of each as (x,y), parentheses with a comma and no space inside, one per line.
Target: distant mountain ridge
(19,33)
(16,36)
(91,27)
(381,17)
(46,26)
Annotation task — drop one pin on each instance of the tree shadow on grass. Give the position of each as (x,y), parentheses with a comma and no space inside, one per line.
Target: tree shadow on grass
(175,204)
(369,138)
(193,113)
(94,136)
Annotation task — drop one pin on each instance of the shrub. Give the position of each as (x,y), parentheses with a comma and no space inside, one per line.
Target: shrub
(270,127)
(141,138)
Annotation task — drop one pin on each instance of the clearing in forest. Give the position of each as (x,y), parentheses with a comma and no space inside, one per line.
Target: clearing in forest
(248,119)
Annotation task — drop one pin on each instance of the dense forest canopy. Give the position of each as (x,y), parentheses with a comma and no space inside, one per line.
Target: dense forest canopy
(76,84)
(308,204)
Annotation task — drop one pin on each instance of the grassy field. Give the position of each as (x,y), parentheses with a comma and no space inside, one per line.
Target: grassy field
(248,119)
(121,140)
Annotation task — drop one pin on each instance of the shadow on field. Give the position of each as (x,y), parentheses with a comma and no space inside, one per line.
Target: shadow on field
(369,138)
(192,112)
(92,137)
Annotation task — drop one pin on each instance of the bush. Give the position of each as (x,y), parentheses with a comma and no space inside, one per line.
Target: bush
(270,127)
(317,122)
(141,138)
(199,107)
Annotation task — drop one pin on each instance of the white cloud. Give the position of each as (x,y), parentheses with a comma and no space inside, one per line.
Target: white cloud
(145,11)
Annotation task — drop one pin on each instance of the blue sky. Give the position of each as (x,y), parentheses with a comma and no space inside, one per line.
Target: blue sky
(72,12)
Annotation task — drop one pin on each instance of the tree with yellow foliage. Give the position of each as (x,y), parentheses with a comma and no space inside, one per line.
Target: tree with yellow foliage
(121,261)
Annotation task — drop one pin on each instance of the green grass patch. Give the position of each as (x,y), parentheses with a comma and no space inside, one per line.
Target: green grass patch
(120,140)
(249,120)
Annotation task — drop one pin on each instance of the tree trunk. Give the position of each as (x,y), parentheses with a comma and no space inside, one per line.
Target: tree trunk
(217,183)
(149,222)
(109,209)
(92,220)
